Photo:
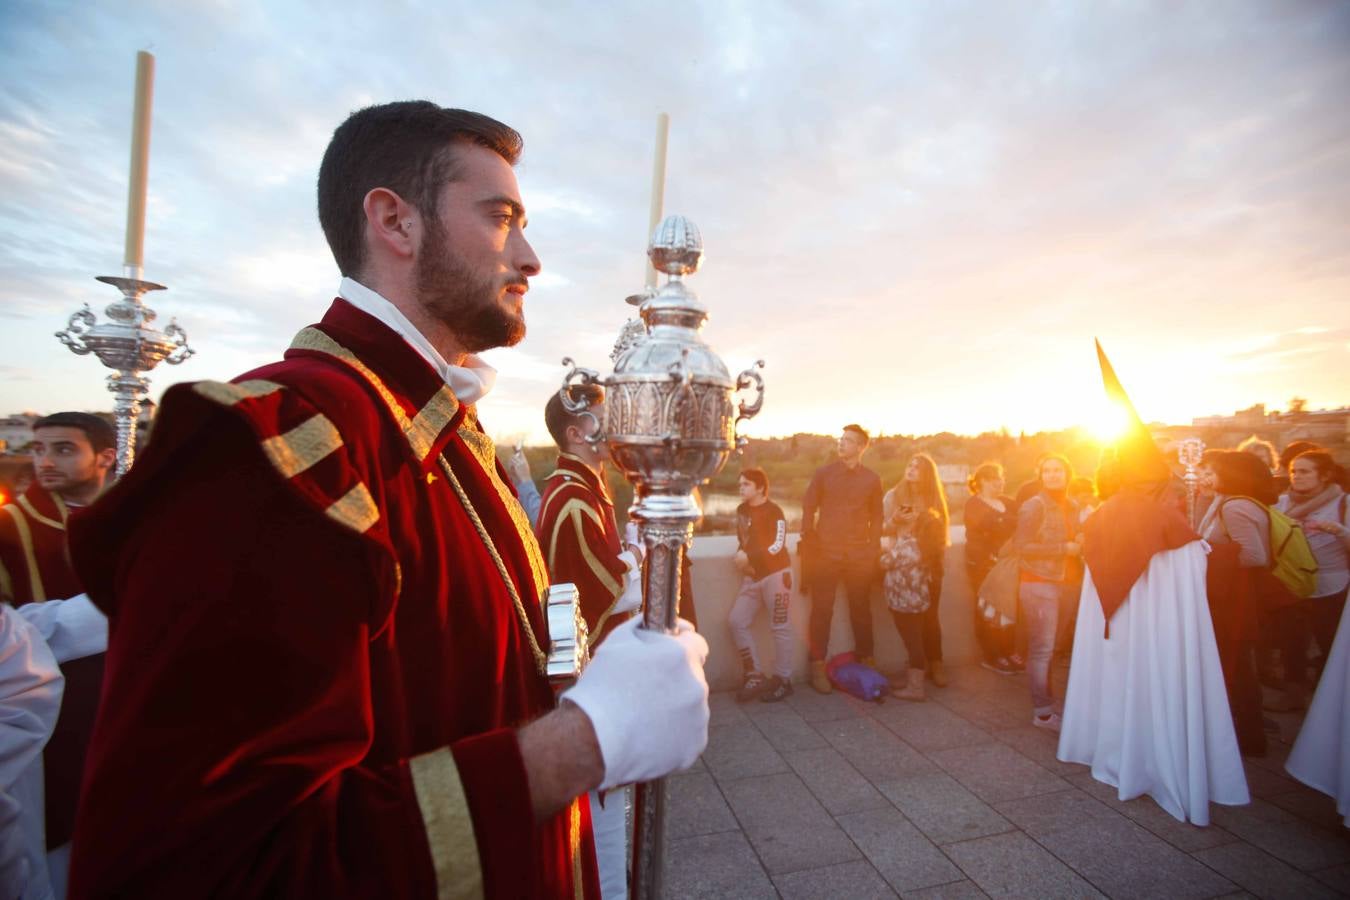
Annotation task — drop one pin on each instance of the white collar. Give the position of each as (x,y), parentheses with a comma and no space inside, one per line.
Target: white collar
(469,382)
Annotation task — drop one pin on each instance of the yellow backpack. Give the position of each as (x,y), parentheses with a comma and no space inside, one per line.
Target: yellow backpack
(1291,558)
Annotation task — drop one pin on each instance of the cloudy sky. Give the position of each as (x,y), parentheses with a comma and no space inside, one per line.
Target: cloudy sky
(918,214)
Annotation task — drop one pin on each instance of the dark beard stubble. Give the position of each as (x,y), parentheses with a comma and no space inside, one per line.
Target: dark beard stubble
(468,306)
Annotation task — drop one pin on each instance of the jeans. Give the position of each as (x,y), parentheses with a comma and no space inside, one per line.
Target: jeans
(857,578)
(910,627)
(1040,611)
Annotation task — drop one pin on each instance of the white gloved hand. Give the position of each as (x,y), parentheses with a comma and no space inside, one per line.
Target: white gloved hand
(647,700)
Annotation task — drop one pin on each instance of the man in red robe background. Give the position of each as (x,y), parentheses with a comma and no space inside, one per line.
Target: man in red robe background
(326,666)
(73,455)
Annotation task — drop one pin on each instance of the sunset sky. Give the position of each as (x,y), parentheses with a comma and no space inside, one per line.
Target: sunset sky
(919,215)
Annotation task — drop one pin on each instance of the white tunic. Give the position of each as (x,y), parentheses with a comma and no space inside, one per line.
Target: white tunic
(1321,755)
(1147,709)
(30,697)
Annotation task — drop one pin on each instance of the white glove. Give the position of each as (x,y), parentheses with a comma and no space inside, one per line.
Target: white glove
(647,700)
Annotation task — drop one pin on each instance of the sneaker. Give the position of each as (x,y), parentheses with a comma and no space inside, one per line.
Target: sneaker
(1049,723)
(1001,665)
(776,690)
(750,688)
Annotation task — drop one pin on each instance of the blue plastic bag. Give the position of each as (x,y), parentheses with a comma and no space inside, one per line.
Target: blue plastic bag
(852,677)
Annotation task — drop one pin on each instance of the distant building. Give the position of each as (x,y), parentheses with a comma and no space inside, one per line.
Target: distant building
(16,432)
(1251,418)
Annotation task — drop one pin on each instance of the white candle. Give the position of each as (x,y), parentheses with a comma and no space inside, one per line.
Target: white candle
(658,185)
(134,258)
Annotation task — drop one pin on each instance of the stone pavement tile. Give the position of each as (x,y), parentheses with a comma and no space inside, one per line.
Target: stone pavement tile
(696,806)
(740,751)
(1047,814)
(1038,745)
(929,726)
(1013,865)
(899,851)
(1311,806)
(716,866)
(724,710)
(836,784)
(1126,861)
(853,880)
(942,809)
(789,829)
(995,772)
(815,707)
(1262,874)
(1182,835)
(1266,784)
(1283,835)
(874,750)
(985,712)
(1337,878)
(957,890)
(785,729)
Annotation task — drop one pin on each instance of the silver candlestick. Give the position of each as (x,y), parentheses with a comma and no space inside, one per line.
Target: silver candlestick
(129,347)
(670,426)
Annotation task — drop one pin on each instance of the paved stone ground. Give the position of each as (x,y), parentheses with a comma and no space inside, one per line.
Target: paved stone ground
(829,797)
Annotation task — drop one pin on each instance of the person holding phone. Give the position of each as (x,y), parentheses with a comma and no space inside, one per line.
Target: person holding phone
(915,512)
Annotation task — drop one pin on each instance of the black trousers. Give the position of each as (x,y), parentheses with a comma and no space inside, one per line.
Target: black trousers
(1315,617)
(912,631)
(857,578)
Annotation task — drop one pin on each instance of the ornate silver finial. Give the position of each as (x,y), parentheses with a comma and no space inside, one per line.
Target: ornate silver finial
(129,346)
(676,247)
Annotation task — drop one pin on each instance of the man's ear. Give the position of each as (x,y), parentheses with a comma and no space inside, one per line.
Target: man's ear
(391,222)
(106,459)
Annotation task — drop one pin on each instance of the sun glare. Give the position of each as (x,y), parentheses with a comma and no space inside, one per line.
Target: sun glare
(1110,423)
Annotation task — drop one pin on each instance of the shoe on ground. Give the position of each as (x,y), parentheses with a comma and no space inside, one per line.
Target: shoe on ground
(1001,665)
(751,687)
(1018,663)
(1051,722)
(913,688)
(777,690)
(937,673)
(819,680)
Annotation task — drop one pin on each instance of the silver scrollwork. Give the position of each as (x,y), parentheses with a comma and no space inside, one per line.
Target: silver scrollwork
(79,325)
(746,411)
(581,406)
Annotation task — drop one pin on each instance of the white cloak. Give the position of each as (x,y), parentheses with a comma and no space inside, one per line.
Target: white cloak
(1321,755)
(1147,708)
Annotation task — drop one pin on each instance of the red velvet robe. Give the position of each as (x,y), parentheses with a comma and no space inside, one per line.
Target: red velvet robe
(34,568)
(581,542)
(316,666)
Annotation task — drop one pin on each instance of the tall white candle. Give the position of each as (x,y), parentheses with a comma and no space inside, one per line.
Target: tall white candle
(658,185)
(134,258)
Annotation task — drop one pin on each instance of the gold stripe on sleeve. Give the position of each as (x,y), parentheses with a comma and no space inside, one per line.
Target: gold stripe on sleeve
(29,557)
(356,510)
(303,446)
(449,827)
(228,394)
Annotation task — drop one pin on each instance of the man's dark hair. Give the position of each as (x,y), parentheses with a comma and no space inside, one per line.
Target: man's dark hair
(556,417)
(756,476)
(100,434)
(860,432)
(407,147)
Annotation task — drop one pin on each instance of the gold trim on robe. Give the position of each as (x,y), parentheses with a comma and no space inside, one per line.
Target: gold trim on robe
(302,446)
(228,394)
(29,556)
(449,826)
(356,509)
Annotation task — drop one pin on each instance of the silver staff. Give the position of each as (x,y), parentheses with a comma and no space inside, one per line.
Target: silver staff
(1189,452)
(128,346)
(670,426)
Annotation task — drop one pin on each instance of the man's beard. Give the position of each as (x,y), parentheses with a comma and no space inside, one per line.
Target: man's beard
(468,306)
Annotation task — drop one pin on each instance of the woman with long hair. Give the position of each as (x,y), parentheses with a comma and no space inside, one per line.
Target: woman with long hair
(1318,504)
(991,519)
(1237,527)
(915,511)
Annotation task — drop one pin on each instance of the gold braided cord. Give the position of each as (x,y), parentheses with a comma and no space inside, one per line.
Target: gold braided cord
(540,658)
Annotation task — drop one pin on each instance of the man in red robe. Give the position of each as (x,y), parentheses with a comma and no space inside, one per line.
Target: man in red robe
(73,454)
(581,542)
(326,667)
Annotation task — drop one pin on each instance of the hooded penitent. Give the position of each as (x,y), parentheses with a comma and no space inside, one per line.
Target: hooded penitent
(1138,522)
